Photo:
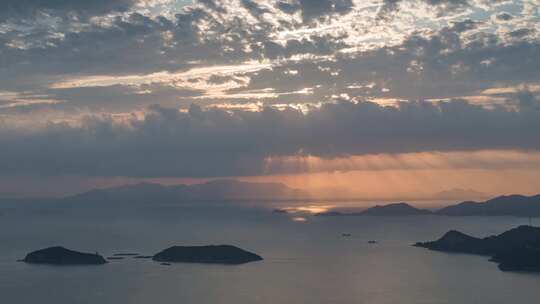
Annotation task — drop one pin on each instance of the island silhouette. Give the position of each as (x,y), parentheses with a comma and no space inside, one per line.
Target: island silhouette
(506,205)
(59,255)
(211,254)
(396,209)
(517,249)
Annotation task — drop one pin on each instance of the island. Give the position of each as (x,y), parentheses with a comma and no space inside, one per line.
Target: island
(336,213)
(213,254)
(517,249)
(61,256)
(218,190)
(395,209)
(506,205)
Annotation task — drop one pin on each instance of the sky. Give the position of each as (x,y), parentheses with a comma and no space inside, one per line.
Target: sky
(368,99)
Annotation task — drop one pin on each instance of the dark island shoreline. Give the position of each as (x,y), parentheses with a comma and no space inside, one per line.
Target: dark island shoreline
(211,254)
(517,249)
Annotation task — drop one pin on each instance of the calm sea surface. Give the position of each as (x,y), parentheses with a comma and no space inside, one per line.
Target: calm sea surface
(306,260)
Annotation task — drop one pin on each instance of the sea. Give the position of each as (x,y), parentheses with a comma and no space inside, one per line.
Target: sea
(307,259)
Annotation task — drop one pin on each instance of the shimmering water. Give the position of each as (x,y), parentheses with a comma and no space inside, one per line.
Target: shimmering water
(305,261)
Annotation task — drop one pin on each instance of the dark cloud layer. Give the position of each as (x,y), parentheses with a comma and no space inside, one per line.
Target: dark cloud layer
(17,9)
(439,66)
(317,8)
(202,143)
(54,56)
(131,45)
(450,62)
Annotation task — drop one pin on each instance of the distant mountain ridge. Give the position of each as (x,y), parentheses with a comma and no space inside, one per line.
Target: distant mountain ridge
(395,209)
(229,189)
(513,205)
(509,205)
(213,190)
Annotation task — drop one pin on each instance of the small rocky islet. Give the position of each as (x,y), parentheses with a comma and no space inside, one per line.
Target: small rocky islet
(59,255)
(115,258)
(212,254)
(517,249)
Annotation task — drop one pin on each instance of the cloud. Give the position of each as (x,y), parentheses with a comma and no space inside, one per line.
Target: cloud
(254,8)
(124,46)
(15,9)
(312,9)
(528,101)
(213,5)
(504,16)
(444,7)
(302,52)
(520,33)
(209,143)
(457,61)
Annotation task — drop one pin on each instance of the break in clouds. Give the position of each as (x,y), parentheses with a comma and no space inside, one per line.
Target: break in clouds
(208,143)
(151,88)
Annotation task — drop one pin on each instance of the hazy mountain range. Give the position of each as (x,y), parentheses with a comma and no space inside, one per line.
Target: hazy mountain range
(517,205)
(396,209)
(213,190)
(231,190)
(510,205)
